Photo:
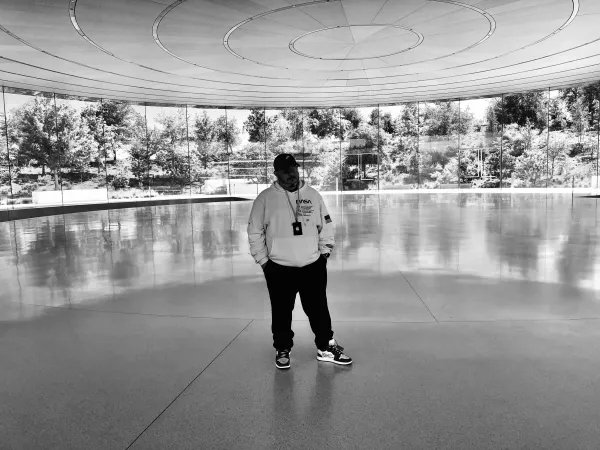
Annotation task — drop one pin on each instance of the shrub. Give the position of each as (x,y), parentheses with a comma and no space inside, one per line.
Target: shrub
(120,181)
(25,189)
(575,150)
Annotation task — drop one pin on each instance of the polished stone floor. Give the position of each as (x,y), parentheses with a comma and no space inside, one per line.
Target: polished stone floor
(473,320)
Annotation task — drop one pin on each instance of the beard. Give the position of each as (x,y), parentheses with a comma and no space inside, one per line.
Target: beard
(291,186)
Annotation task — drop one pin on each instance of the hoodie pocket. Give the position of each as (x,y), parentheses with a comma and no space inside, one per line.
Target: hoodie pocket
(296,250)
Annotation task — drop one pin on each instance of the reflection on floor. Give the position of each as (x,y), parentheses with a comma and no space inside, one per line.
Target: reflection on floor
(472,320)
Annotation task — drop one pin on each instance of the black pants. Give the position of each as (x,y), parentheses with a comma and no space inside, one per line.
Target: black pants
(284,283)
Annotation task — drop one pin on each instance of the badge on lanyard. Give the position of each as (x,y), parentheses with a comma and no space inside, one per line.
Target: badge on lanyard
(297,225)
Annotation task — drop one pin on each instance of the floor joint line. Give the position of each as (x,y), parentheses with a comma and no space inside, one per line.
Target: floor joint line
(189,384)
(411,286)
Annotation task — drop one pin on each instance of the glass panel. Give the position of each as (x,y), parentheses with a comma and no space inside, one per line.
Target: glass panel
(480,136)
(280,139)
(5,194)
(438,157)
(36,170)
(359,148)
(295,120)
(573,140)
(596,179)
(326,134)
(127,164)
(399,147)
(321,140)
(82,159)
(5,161)
(168,150)
(208,151)
(248,131)
(523,117)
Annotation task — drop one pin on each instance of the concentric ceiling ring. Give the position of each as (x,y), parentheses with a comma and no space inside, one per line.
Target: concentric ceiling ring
(161,16)
(338,92)
(419,40)
(490,19)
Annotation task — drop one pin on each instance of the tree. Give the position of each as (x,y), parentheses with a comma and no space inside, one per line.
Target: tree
(400,153)
(327,166)
(407,122)
(588,95)
(258,125)
(296,119)
(145,144)
(520,108)
(45,132)
(103,135)
(493,125)
(208,157)
(556,152)
(82,148)
(227,131)
(7,165)
(581,117)
(119,118)
(531,166)
(558,114)
(353,116)
(205,135)
(172,153)
(384,121)
(445,119)
(328,123)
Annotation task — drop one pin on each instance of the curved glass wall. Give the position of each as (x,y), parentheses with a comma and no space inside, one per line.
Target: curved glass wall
(60,150)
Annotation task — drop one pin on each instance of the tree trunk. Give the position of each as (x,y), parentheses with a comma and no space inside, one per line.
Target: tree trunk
(56,188)
(43,170)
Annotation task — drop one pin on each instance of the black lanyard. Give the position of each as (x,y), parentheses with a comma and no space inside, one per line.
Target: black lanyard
(297,204)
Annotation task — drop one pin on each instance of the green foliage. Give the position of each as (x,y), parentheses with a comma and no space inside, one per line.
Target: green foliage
(327,167)
(51,135)
(384,121)
(559,114)
(75,147)
(444,119)
(521,109)
(258,125)
(353,116)
(172,147)
(328,123)
(296,119)
(585,98)
(227,131)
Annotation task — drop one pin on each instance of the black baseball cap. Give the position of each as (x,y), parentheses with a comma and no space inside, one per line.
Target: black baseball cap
(284,161)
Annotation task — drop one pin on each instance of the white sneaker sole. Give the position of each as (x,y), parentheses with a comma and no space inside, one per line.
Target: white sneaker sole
(284,367)
(342,363)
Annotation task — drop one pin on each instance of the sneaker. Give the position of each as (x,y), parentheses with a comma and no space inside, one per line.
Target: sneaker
(334,354)
(282,359)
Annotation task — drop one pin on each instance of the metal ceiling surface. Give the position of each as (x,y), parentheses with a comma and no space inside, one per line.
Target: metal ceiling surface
(278,53)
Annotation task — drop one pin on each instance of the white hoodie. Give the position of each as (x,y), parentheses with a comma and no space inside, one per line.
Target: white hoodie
(270,231)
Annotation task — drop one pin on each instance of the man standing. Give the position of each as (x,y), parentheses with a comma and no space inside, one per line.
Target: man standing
(291,237)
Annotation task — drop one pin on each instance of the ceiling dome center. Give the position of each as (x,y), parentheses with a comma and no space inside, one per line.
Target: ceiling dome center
(356,42)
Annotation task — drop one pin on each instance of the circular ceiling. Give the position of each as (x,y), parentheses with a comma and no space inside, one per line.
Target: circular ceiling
(277,53)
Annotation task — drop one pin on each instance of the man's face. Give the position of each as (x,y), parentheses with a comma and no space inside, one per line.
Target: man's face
(288,177)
